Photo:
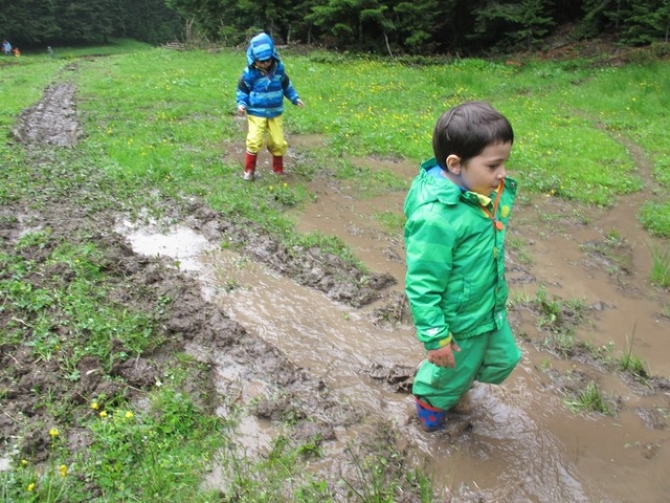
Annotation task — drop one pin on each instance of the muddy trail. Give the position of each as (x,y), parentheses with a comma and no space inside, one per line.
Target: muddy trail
(299,332)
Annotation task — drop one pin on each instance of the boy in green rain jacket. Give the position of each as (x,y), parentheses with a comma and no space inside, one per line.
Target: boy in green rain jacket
(457,211)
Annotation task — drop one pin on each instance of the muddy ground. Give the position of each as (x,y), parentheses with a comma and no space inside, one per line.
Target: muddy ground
(190,323)
(204,329)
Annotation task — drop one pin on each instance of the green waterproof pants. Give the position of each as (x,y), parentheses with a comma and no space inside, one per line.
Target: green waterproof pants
(488,358)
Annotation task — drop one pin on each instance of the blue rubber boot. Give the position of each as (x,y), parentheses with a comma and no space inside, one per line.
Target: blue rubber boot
(431,419)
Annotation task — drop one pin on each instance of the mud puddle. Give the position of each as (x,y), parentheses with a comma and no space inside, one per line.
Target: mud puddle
(518,444)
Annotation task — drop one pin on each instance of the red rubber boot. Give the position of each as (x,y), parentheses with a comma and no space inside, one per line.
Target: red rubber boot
(278,164)
(250,166)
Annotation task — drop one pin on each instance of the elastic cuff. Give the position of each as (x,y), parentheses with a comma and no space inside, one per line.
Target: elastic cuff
(447,341)
(426,405)
(435,341)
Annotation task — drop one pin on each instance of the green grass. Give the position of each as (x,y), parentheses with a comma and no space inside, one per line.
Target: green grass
(392,223)
(22,84)
(631,363)
(372,107)
(154,452)
(590,399)
(160,118)
(656,218)
(135,455)
(660,266)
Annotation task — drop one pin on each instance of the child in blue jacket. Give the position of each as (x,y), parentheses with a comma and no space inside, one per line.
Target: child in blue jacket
(260,94)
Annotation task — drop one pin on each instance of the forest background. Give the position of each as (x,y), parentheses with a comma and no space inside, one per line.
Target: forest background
(396,27)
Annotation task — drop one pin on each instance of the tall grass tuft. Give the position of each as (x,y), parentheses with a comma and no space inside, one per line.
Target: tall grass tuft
(590,399)
(631,363)
(660,267)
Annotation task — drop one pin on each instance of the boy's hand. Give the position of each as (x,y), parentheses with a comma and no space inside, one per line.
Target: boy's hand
(300,103)
(444,357)
(241,110)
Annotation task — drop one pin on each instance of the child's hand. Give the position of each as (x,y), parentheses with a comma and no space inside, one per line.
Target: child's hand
(241,110)
(444,357)
(300,103)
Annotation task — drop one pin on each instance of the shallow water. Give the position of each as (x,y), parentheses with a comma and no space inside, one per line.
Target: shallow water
(525,444)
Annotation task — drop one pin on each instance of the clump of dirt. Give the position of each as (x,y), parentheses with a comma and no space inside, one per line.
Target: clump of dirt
(398,377)
(328,273)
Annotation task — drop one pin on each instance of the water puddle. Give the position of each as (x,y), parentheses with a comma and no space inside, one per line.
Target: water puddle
(181,244)
(522,446)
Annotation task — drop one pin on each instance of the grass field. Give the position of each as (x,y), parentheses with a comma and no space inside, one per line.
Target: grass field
(156,125)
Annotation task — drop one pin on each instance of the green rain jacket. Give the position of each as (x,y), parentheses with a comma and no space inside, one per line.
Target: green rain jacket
(455,279)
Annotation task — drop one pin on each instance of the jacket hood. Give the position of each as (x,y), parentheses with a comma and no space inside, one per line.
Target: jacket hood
(428,189)
(261,48)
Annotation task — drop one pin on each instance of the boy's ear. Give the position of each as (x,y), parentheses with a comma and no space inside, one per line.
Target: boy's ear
(454,164)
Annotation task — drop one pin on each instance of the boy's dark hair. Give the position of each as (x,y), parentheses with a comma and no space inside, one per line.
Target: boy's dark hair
(467,129)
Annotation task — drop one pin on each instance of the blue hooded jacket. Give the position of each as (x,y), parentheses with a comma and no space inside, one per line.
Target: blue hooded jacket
(260,91)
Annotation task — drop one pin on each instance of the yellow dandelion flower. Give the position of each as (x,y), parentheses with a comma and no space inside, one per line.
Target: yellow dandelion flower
(63,470)
(103,414)
(31,486)
(53,432)
(95,406)
(24,462)
(129,415)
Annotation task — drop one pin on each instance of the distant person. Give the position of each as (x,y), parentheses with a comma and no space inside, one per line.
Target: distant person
(457,210)
(260,94)
(6,48)
(17,52)
(50,51)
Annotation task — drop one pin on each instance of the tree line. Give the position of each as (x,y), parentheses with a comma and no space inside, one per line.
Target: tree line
(35,23)
(422,27)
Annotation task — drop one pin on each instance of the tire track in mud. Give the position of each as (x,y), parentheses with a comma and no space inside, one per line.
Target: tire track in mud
(52,121)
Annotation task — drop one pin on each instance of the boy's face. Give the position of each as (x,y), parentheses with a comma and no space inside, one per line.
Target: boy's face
(482,174)
(264,64)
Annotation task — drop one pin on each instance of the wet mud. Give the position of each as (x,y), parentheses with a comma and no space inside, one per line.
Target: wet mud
(300,333)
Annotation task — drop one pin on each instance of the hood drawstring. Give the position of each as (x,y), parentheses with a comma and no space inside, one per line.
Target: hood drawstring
(497,224)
